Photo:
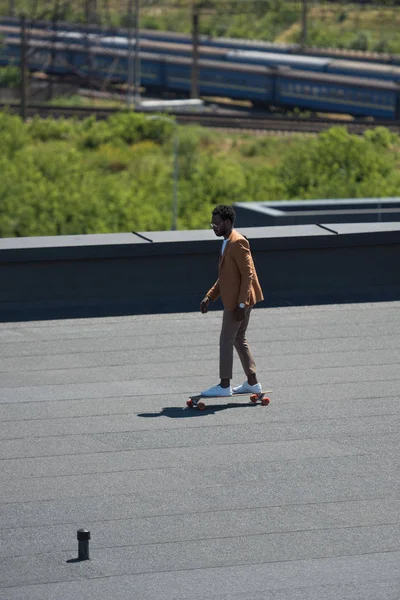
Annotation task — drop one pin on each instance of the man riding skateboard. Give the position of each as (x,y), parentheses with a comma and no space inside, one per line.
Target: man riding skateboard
(239,289)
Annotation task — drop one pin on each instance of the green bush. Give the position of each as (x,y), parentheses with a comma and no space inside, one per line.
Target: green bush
(10,76)
(13,134)
(74,100)
(95,134)
(361,42)
(338,164)
(51,129)
(126,128)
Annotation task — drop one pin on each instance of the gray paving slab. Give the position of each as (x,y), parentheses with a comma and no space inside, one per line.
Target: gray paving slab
(295,501)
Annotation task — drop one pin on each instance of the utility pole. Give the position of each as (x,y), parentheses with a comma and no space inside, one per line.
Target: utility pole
(194,92)
(53,50)
(137,53)
(129,97)
(174,225)
(304,23)
(91,11)
(88,44)
(23,66)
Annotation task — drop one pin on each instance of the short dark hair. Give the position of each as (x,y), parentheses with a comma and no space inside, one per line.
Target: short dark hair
(225,212)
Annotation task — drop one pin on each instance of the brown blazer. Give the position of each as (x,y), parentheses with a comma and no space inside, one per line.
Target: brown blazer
(237,281)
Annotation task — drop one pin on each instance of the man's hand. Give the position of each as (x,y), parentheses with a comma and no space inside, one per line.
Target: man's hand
(239,313)
(204,304)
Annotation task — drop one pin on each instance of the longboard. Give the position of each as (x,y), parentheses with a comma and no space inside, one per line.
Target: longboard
(198,400)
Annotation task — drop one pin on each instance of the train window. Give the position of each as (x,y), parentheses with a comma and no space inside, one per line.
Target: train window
(298,88)
(315,91)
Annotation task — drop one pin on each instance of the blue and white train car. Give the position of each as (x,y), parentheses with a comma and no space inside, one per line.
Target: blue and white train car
(337,94)
(281,87)
(75,38)
(164,72)
(218,78)
(354,68)
(40,56)
(104,63)
(154,34)
(271,59)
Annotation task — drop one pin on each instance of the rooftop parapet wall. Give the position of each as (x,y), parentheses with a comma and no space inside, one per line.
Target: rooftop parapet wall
(296,212)
(114,274)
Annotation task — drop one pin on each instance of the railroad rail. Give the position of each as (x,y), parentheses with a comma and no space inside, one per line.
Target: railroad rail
(215,120)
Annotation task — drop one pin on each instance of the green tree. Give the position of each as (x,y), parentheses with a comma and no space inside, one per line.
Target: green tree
(338,164)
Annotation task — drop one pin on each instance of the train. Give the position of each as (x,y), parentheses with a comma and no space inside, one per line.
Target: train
(279,87)
(332,66)
(67,32)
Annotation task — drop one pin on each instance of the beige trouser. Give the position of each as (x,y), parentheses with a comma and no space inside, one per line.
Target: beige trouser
(233,334)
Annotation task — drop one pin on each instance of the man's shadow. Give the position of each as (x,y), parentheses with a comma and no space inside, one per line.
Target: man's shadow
(180,412)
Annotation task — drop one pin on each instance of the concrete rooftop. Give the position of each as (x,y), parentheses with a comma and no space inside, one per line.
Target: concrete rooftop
(295,501)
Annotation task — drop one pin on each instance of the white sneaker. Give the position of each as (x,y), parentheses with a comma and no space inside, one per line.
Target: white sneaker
(246,388)
(217,390)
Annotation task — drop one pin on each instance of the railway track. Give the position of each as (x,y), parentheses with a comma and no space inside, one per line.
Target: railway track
(215,120)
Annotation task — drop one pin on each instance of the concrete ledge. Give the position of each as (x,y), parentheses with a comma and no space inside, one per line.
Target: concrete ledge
(300,212)
(153,272)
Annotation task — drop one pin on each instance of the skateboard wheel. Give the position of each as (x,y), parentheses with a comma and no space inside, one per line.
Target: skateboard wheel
(265,401)
(189,404)
(254,398)
(201,405)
